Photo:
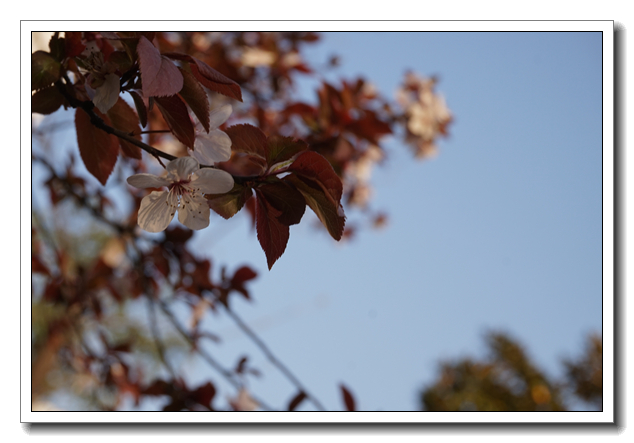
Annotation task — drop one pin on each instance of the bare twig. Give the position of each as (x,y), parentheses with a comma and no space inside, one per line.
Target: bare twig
(269,354)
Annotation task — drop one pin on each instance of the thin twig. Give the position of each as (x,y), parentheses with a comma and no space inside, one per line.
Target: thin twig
(208,358)
(269,354)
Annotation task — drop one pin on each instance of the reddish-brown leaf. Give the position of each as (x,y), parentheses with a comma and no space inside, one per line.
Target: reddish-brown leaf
(140,107)
(347,398)
(38,267)
(316,168)
(329,211)
(209,77)
(204,394)
(229,204)
(280,149)
(73,44)
(47,100)
(159,75)
(196,97)
(296,400)
(286,199)
(272,235)
(243,274)
(175,113)
(125,119)
(248,139)
(98,149)
(370,127)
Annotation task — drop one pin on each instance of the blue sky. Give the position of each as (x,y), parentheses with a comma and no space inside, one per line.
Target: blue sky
(501,231)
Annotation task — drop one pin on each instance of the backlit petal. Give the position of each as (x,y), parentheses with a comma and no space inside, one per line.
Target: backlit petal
(212,181)
(155,212)
(194,211)
(219,116)
(212,147)
(180,168)
(147,181)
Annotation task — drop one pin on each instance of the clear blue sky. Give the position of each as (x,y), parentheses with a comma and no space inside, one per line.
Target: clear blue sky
(501,231)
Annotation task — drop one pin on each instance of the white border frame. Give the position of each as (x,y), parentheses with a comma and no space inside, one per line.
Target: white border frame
(606,416)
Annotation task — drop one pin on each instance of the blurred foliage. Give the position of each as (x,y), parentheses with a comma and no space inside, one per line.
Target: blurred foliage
(509,381)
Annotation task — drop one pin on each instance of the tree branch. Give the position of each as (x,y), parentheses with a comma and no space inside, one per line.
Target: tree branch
(268,353)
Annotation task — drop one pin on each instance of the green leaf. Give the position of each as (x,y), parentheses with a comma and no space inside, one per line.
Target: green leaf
(45,70)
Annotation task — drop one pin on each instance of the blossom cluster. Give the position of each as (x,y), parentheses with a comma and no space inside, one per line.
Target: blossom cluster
(426,112)
(187,182)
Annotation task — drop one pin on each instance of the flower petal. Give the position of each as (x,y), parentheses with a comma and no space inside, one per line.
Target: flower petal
(156,212)
(147,181)
(219,116)
(212,181)
(180,168)
(212,147)
(194,211)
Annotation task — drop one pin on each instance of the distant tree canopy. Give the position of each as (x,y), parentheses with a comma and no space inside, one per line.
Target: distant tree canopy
(508,381)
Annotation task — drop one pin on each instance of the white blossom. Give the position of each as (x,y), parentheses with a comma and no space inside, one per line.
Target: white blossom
(215,145)
(186,184)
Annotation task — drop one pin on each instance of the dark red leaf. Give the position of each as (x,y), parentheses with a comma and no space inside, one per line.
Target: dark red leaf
(159,75)
(316,168)
(140,107)
(229,204)
(370,127)
(175,113)
(243,274)
(329,211)
(73,44)
(98,149)
(196,97)
(159,387)
(241,365)
(248,139)
(204,394)
(347,398)
(280,149)
(286,199)
(125,119)
(47,100)
(38,267)
(178,235)
(209,77)
(272,235)
(296,400)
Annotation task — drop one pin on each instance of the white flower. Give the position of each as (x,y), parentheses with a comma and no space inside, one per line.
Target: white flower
(187,184)
(215,145)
